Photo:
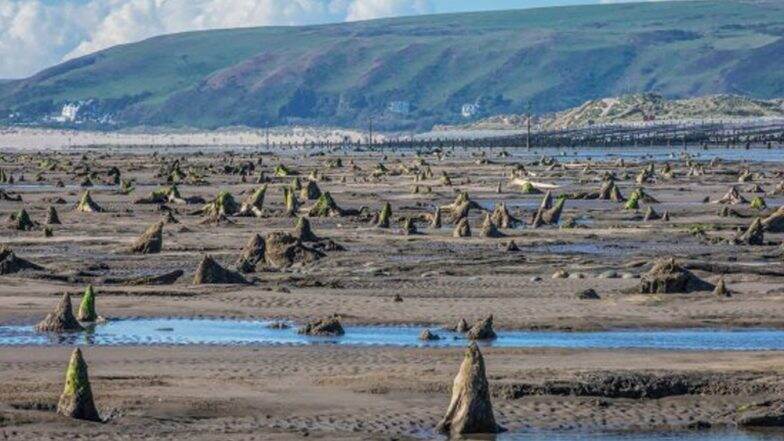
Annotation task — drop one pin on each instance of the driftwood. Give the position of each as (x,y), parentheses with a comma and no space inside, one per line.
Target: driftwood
(721,268)
(163,279)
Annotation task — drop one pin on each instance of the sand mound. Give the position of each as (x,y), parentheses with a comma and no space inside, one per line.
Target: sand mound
(667,277)
(61,319)
(470,410)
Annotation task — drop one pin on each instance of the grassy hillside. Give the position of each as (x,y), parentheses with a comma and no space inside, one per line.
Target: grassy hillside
(554,58)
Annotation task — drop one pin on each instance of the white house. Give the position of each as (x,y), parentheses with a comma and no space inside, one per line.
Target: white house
(401,107)
(68,113)
(469,110)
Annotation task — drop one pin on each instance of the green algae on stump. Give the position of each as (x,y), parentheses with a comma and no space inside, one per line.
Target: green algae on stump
(76,400)
(325,207)
(290,202)
(758,203)
(384,216)
(254,204)
(87,306)
(22,221)
(223,205)
(634,201)
(88,205)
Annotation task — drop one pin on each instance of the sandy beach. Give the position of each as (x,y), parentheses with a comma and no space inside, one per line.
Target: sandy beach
(346,392)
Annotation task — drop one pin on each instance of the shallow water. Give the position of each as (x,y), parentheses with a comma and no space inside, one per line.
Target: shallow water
(23,187)
(723,435)
(646,153)
(179,331)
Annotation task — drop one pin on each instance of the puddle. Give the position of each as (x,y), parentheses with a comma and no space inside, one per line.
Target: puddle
(178,331)
(711,435)
(51,188)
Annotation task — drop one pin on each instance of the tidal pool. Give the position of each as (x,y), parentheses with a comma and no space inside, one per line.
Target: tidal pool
(198,331)
(710,435)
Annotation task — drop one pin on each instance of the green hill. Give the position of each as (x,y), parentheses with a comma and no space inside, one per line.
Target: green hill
(431,66)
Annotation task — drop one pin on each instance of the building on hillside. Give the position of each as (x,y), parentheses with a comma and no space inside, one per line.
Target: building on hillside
(469,110)
(68,113)
(400,107)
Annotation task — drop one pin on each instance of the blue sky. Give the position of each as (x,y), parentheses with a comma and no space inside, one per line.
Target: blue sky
(35,34)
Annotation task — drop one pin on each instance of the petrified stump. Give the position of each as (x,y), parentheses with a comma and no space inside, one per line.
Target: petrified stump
(329,327)
(470,411)
(76,400)
(668,277)
(151,242)
(61,319)
(210,272)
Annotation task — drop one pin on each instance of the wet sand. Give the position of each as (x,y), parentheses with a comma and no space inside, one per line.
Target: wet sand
(383,393)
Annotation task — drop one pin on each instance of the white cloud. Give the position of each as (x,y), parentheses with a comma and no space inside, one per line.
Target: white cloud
(369,9)
(35,34)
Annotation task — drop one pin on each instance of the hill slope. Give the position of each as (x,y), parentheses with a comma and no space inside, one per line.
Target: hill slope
(426,68)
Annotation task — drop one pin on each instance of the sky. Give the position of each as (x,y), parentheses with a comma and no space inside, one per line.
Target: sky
(35,34)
